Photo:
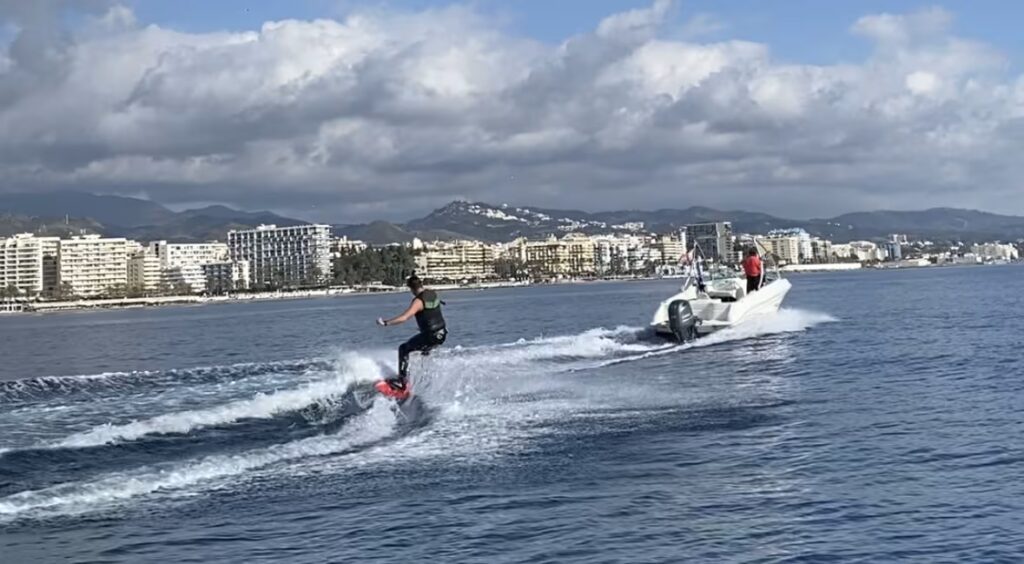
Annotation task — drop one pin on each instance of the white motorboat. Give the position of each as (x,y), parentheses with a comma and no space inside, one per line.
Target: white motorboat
(703,306)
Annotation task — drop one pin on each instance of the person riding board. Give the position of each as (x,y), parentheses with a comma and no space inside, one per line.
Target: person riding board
(426,308)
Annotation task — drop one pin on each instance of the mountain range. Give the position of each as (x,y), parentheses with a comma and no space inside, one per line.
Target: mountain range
(503,223)
(67,213)
(63,213)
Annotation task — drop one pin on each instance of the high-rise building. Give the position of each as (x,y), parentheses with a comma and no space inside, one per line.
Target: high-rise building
(893,251)
(714,239)
(144,272)
(29,264)
(284,256)
(805,251)
(89,266)
(821,250)
(787,248)
(671,247)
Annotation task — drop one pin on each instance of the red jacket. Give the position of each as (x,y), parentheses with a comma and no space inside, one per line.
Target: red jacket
(752,266)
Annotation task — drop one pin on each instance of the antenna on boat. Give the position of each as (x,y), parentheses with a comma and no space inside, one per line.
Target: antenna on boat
(698,258)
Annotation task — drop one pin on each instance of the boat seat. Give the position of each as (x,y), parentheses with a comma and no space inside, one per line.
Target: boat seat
(727,290)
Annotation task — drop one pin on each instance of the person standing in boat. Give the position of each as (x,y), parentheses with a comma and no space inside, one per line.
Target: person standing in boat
(754,270)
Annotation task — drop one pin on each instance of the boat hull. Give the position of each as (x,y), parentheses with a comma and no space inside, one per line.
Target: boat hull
(715,315)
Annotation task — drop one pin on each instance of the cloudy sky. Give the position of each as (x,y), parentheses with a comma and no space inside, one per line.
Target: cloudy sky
(349,111)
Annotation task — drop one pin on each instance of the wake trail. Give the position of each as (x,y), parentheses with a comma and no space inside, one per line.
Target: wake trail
(375,425)
(783,321)
(260,406)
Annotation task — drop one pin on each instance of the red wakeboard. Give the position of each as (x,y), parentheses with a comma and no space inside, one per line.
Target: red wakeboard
(384,388)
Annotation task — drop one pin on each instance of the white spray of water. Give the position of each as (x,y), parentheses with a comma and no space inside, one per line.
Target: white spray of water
(261,406)
(493,421)
(78,497)
(783,321)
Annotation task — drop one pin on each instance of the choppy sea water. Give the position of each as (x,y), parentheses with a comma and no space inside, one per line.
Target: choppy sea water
(876,418)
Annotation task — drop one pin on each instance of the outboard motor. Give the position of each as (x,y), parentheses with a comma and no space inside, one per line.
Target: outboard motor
(682,321)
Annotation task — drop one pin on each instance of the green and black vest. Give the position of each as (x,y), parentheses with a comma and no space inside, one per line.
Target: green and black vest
(429,319)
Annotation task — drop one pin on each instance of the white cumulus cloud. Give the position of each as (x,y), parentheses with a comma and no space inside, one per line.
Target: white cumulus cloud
(392,113)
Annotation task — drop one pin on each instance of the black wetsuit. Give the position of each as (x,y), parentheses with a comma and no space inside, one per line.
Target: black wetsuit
(432,331)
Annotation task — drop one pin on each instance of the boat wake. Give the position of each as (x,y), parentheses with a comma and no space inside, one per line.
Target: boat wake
(104,442)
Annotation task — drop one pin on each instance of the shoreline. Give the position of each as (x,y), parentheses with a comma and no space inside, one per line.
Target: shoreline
(6,308)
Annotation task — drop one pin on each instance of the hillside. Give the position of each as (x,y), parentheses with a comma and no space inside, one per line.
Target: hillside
(475,220)
(139,219)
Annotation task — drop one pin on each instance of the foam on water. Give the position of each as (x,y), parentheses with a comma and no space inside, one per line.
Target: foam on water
(261,406)
(490,400)
(78,497)
(783,321)
(46,386)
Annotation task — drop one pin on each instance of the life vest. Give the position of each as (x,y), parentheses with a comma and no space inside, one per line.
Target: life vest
(429,319)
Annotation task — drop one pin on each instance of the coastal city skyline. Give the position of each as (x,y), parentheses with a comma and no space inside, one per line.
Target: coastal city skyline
(521,281)
(395,108)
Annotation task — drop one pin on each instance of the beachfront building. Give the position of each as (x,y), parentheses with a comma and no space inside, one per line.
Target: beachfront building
(173,267)
(284,256)
(144,272)
(785,248)
(90,265)
(173,255)
(821,250)
(867,251)
(671,247)
(453,261)
(29,263)
(226,277)
(569,257)
(803,241)
(627,254)
(996,252)
(714,239)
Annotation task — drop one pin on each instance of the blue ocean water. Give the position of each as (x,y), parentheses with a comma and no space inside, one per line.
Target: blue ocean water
(876,418)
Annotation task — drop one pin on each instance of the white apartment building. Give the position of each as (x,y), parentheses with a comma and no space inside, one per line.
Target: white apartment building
(187,278)
(821,250)
(90,265)
(996,251)
(189,254)
(226,277)
(29,263)
(804,242)
(671,247)
(457,260)
(627,254)
(786,247)
(144,272)
(571,256)
(866,251)
(284,256)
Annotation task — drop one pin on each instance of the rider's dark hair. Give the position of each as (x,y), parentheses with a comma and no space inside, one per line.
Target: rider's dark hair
(414,282)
